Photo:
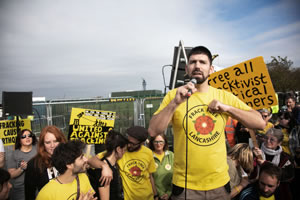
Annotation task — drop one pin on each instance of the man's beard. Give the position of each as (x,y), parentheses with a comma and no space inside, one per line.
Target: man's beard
(130,149)
(81,169)
(266,195)
(202,80)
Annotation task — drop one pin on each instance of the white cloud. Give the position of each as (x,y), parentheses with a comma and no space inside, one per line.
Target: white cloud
(73,48)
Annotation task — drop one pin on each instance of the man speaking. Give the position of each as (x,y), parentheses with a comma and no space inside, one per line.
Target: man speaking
(200,165)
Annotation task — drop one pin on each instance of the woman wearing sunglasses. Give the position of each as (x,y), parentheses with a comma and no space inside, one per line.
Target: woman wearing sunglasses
(164,166)
(40,169)
(25,149)
(271,151)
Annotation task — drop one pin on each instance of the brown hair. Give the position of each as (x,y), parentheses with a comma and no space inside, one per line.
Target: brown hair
(42,159)
(244,155)
(151,145)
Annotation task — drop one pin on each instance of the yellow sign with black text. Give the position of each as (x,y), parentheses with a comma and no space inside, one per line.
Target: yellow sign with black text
(8,130)
(90,126)
(249,80)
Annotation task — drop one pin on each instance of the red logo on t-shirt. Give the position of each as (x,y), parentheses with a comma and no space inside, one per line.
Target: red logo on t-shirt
(135,171)
(204,125)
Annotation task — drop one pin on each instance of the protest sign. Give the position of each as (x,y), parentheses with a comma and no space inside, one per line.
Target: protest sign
(249,80)
(90,126)
(8,130)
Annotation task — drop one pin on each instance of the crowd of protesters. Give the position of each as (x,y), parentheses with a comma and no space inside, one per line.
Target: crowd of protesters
(35,165)
(261,161)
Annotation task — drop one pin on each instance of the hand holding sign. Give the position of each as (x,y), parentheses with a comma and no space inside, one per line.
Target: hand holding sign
(250,81)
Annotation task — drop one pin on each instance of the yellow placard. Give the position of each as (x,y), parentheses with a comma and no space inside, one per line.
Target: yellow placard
(8,130)
(90,126)
(249,80)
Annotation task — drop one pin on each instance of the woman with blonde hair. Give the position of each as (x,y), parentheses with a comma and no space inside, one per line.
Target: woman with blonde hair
(240,162)
(40,169)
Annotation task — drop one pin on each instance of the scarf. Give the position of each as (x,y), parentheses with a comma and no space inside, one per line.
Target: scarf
(275,153)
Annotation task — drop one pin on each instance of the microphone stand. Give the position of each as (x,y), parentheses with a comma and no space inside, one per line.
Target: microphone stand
(186,148)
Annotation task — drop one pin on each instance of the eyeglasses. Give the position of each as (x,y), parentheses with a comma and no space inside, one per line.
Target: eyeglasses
(134,144)
(25,136)
(159,142)
(270,139)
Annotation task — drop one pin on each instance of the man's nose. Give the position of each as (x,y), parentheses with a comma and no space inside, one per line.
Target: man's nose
(266,189)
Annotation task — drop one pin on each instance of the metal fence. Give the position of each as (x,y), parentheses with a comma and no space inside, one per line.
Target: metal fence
(128,113)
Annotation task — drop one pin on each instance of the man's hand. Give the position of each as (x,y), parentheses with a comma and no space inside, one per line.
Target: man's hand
(217,106)
(88,196)
(106,176)
(183,92)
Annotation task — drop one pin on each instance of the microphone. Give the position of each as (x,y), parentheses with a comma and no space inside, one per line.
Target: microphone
(194,81)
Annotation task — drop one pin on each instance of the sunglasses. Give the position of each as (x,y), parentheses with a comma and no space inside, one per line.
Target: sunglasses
(265,116)
(25,136)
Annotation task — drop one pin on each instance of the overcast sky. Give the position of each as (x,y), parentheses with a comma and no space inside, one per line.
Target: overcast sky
(89,48)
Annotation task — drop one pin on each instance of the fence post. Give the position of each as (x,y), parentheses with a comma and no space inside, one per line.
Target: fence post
(49,114)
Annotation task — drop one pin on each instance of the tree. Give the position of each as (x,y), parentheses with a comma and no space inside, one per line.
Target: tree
(284,77)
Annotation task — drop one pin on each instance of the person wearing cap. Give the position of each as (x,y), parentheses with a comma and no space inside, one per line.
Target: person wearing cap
(136,166)
(200,161)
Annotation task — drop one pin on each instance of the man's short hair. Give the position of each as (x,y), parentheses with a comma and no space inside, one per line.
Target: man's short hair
(66,153)
(271,169)
(201,50)
(4,177)
(138,132)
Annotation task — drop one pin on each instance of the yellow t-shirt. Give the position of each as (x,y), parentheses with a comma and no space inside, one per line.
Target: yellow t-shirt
(285,141)
(54,190)
(267,198)
(207,160)
(159,156)
(268,126)
(135,169)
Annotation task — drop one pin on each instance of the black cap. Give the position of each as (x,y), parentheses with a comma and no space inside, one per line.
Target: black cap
(138,132)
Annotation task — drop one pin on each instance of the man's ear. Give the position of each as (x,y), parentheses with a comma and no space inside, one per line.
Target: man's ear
(212,69)
(118,149)
(70,166)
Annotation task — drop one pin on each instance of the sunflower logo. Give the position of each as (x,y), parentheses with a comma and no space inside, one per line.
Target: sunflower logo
(204,125)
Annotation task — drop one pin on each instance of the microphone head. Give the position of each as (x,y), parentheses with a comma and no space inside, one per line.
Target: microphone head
(194,81)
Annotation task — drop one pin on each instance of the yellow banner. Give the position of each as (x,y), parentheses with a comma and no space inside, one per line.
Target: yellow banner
(90,126)
(121,99)
(249,80)
(8,130)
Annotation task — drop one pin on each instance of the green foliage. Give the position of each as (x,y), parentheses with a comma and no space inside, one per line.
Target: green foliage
(284,77)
